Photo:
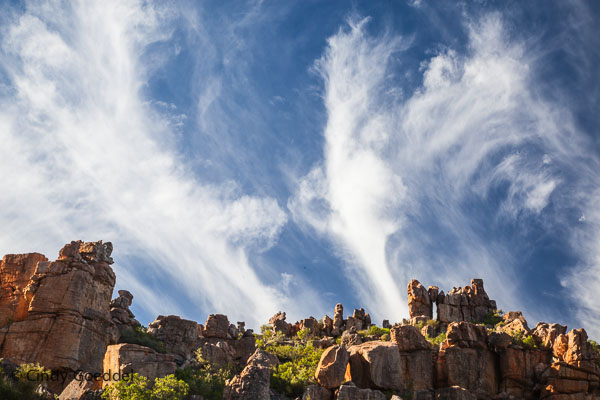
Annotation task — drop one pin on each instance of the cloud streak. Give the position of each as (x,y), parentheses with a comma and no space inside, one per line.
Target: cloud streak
(86,155)
(403,179)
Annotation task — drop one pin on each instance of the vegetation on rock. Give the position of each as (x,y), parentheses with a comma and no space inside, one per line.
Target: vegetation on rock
(139,335)
(138,388)
(27,379)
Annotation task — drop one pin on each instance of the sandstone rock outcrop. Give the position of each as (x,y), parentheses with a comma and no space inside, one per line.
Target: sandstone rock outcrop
(375,365)
(253,382)
(349,391)
(316,392)
(120,313)
(57,313)
(419,301)
(332,367)
(80,388)
(408,338)
(127,358)
(470,303)
(217,326)
(181,337)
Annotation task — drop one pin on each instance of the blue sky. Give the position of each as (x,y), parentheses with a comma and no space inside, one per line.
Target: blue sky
(246,158)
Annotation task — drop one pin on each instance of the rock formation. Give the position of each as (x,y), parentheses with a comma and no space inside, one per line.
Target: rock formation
(57,313)
(253,382)
(332,367)
(126,358)
(120,313)
(60,314)
(181,337)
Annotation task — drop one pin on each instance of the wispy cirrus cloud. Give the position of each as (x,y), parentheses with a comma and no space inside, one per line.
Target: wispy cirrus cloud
(86,155)
(402,181)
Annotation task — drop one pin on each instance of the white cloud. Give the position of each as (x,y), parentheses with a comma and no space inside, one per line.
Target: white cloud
(84,155)
(389,165)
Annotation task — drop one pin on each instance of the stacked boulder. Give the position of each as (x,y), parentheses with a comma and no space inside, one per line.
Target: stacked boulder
(120,313)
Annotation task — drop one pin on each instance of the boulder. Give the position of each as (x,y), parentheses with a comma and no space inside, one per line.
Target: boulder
(332,367)
(516,326)
(181,337)
(419,302)
(349,391)
(254,380)
(466,334)
(350,338)
(375,365)
(408,338)
(545,334)
(316,392)
(217,326)
(575,350)
(279,325)
(127,358)
(219,352)
(58,314)
(311,325)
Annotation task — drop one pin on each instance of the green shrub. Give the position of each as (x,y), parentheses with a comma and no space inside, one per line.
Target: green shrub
(24,388)
(266,330)
(594,345)
(529,342)
(207,381)
(436,341)
(305,334)
(385,337)
(374,330)
(494,318)
(297,366)
(137,388)
(139,335)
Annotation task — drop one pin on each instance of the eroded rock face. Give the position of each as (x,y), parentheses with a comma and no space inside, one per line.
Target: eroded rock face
(519,370)
(16,271)
(470,303)
(217,325)
(127,358)
(60,309)
(120,313)
(80,389)
(350,392)
(375,365)
(253,382)
(545,334)
(332,367)
(316,392)
(408,338)
(575,350)
(464,360)
(181,337)
(419,301)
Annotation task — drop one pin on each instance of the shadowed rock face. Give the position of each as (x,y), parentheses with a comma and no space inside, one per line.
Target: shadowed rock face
(57,313)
